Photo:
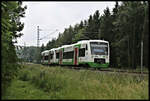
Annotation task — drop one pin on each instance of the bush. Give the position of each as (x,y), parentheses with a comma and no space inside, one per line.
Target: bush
(49,81)
(25,75)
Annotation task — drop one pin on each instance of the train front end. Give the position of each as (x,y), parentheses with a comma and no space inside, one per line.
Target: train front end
(99,54)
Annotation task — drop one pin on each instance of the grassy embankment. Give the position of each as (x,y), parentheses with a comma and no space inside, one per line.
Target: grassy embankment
(42,82)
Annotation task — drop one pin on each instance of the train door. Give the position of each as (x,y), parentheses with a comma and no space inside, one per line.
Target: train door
(49,57)
(60,57)
(76,51)
(42,58)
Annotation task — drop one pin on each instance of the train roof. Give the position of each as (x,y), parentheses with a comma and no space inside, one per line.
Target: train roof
(64,46)
(85,41)
(98,41)
(79,42)
(56,48)
(45,51)
(53,49)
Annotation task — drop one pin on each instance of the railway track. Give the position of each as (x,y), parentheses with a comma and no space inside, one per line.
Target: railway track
(108,70)
(120,71)
(125,71)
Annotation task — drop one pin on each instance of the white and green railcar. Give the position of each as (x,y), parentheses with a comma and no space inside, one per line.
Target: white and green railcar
(45,57)
(94,53)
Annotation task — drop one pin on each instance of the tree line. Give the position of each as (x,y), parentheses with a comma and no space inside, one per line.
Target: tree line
(11,12)
(125,27)
(28,53)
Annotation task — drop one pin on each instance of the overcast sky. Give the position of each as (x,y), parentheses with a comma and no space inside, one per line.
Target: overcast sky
(50,16)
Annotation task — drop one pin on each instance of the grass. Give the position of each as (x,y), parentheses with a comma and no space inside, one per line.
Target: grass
(138,69)
(24,90)
(42,82)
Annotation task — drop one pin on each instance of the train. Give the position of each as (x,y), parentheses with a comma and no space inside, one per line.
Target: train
(92,53)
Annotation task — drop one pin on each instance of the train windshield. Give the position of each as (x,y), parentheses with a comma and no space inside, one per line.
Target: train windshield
(99,48)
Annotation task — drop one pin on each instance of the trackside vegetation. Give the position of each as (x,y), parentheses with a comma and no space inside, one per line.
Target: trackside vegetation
(11,27)
(45,82)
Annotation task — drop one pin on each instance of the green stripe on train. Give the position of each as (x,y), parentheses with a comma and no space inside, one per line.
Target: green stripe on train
(46,63)
(91,64)
(78,45)
(95,65)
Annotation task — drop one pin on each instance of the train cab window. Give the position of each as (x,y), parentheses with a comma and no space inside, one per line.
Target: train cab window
(82,52)
(51,56)
(45,57)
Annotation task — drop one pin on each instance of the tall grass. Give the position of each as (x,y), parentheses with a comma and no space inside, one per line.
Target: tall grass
(61,83)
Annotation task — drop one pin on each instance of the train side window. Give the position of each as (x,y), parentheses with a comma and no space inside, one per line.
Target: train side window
(82,52)
(57,55)
(68,55)
(51,56)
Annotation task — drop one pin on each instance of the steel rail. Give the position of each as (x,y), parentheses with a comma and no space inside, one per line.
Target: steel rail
(106,70)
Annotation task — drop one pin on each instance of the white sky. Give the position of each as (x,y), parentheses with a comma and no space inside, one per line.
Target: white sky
(50,16)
